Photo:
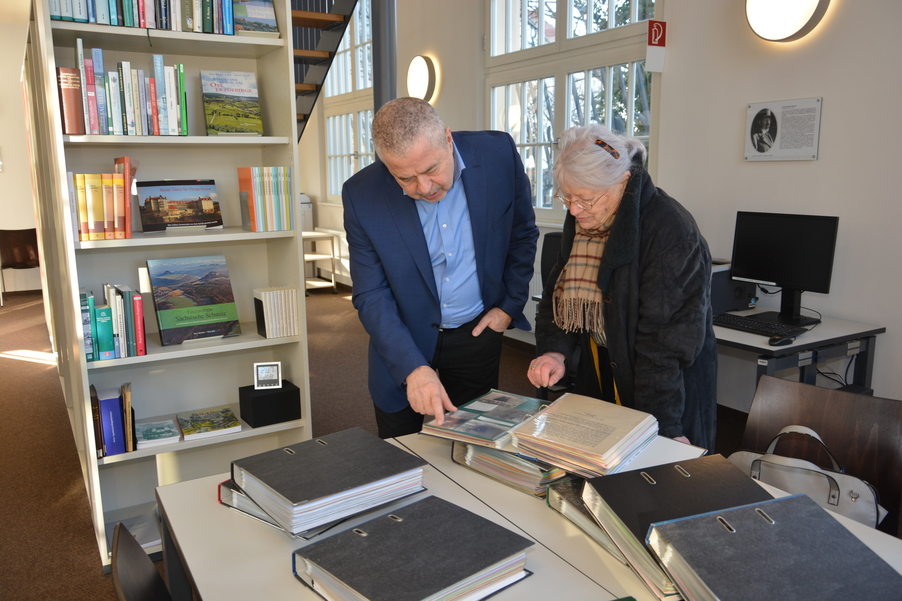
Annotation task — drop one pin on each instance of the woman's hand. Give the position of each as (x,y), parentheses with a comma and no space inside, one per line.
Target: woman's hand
(546,370)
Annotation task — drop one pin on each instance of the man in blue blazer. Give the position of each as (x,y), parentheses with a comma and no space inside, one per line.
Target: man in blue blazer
(442,240)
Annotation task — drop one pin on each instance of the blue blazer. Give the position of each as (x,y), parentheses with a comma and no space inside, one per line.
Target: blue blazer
(394,286)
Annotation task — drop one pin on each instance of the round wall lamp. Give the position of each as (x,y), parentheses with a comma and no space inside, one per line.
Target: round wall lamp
(421,78)
(784,20)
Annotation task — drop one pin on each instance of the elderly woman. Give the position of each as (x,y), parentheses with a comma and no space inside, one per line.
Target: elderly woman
(632,287)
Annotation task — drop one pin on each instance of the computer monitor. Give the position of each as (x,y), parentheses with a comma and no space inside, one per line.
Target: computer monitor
(793,252)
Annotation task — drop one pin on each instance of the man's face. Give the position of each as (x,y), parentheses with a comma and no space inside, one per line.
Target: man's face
(425,172)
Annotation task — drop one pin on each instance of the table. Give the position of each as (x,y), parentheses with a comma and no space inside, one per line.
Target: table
(829,339)
(230,556)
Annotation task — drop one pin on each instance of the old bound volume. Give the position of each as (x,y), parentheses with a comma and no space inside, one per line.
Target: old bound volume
(71,102)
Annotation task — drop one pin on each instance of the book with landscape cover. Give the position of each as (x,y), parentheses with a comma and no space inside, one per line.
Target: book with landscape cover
(627,503)
(486,420)
(382,558)
(255,17)
(328,478)
(208,422)
(193,298)
(231,103)
(167,204)
(786,548)
(586,436)
(155,433)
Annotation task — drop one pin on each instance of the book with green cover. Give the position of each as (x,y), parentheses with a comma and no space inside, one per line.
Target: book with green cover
(106,344)
(208,422)
(231,103)
(255,17)
(193,298)
(486,420)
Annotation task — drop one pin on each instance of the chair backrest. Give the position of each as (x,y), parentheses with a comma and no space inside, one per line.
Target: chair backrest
(863,432)
(135,578)
(19,249)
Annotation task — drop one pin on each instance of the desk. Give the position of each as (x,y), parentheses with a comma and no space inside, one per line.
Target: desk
(230,556)
(829,339)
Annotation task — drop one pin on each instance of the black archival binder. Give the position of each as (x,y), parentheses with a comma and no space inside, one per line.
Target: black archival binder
(675,490)
(324,466)
(787,548)
(411,552)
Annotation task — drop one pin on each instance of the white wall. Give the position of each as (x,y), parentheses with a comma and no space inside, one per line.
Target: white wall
(16,198)
(715,66)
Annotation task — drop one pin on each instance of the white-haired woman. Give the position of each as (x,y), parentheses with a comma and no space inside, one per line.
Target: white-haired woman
(632,287)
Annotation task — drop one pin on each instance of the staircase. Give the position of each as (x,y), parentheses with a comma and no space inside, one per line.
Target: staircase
(318,26)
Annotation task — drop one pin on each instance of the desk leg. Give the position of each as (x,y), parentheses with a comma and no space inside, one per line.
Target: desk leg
(864,363)
(177,578)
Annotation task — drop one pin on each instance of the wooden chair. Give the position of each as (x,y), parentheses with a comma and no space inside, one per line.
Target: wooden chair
(863,432)
(18,250)
(135,578)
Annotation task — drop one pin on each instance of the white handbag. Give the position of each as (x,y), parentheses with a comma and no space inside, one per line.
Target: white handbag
(830,488)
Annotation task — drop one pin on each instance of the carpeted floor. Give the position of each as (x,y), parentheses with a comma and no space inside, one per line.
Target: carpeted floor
(47,545)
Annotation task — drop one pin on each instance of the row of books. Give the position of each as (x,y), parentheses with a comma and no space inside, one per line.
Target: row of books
(201,16)
(276,311)
(266,202)
(351,494)
(127,101)
(116,431)
(114,326)
(100,203)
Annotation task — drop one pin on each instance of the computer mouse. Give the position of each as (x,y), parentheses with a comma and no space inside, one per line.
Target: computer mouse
(781,340)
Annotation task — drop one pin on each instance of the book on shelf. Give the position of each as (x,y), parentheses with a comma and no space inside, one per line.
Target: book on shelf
(265,198)
(139,333)
(182,99)
(128,416)
(231,103)
(120,335)
(100,91)
(176,203)
(508,466)
(325,479)
(95,417)
(786,548)
(112,421)
(144,527)
(112,89)
(91,96)
(95,205)
(119,202)
(381,559)
(276,312)
(103,332)
(586,436)
(193,298)
(627,503)
(487,420)
(126,98)
(79,11)
(129,169)
(565,497)
(86,301)
(71,107)
(160,87)
(81,204)
(254,17)
(149,434)
(80,66)
(208,422)
(109,206)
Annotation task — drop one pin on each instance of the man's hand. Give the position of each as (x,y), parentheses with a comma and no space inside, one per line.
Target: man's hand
(495,318)
(546,370)
(426,394)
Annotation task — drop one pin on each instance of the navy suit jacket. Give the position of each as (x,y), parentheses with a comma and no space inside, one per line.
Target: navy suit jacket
(394,286)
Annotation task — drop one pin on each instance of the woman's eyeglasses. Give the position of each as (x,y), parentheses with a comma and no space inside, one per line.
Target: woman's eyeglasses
(585,205)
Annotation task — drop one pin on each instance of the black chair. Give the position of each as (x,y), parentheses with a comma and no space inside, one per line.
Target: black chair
(18,250)
(551,249)
(135,578)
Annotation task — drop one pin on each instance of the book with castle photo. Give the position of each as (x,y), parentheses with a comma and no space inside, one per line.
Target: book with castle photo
(193,298)
(168,204)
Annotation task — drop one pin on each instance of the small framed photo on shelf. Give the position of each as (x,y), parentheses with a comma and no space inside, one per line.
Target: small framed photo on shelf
(267,375)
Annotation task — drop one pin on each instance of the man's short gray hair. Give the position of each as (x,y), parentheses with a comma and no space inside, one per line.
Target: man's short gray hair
(402,122)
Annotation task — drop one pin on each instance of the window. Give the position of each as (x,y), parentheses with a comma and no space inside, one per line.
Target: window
(521,24)
(603,96)
(348,103)
(591,16)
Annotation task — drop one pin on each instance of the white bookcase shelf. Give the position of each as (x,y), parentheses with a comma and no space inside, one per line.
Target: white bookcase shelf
(193,375)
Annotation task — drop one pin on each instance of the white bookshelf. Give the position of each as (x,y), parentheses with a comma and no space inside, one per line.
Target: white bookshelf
(189,376)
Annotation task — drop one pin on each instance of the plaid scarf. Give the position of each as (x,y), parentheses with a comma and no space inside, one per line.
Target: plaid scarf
(577,298)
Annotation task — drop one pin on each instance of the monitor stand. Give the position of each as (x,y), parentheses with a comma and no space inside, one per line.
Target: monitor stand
(790,311)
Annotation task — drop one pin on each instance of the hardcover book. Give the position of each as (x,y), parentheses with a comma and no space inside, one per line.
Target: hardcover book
(382,559)
(231,103)
(156,433)
(255,17)
(208,422)
(71,104)
(193,298)
(486,420)
(759,551)
(178,203)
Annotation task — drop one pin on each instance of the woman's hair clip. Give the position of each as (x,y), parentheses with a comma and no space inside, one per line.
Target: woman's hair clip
(608,147)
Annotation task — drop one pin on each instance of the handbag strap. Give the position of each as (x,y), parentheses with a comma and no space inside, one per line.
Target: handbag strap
(797,429)
(796,464)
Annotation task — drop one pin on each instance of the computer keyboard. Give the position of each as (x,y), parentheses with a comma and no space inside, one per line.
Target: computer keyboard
(754,326)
